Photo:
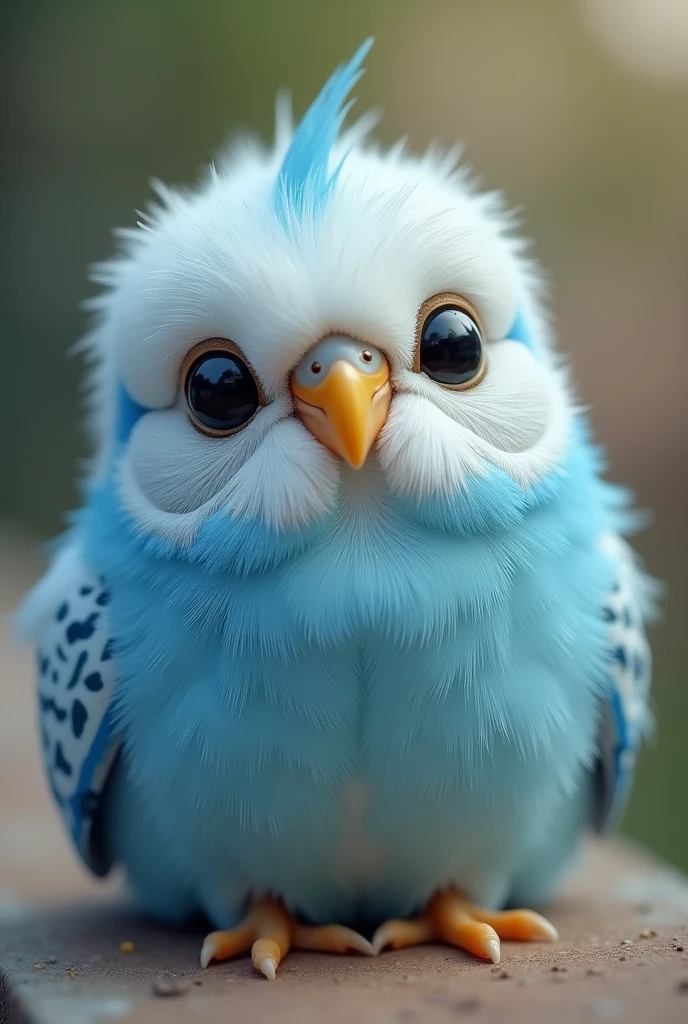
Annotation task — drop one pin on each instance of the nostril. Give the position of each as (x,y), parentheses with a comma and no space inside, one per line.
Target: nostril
(316,367)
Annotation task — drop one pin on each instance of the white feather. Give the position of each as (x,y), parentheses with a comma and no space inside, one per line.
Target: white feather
(286,480)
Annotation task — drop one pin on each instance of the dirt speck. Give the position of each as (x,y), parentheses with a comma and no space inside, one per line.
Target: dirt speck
(648,933)
(127,946)
(626,942)
(682,986)
(169,987)
(594,972)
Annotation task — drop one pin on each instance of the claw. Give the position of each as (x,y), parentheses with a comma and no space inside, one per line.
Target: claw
(223,945)
(452,919)
(268,966)
(330,938)
(207,952)
(548,932)
(269,932)
(349,939)
(382,938)
(399,934)
(521,925)
(359,943)
(493,950)
(266,954)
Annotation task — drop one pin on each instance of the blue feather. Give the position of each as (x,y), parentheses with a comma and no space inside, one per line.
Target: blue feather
(129,412)
(519,330)
(304,183)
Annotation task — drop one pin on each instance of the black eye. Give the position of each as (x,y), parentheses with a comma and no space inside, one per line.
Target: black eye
(451,347)
(221,391)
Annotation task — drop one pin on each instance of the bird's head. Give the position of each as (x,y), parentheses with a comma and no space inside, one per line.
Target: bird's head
(315,309)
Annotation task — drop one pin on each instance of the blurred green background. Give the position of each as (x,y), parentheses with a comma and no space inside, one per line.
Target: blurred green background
(578,109)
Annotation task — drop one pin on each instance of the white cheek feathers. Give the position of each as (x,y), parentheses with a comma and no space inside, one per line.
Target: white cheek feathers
(172,478)
(517,420)
(170,481)
(290,481)
(422,452)
(179,469)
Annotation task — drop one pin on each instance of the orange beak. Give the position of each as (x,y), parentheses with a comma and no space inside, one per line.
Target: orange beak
(342,394)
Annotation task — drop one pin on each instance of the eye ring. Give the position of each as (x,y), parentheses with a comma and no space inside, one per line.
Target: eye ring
(434,304)
(220,347)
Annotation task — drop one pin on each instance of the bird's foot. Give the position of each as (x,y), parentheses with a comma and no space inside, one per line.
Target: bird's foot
(269,932)
(452,919)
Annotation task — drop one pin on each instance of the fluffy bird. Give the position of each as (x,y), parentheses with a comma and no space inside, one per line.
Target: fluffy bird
(344,649)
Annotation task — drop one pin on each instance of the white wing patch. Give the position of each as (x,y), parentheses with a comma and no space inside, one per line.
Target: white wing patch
(626,716)
(76,679)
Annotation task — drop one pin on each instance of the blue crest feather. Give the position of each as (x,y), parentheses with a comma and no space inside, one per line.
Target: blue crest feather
(304,184)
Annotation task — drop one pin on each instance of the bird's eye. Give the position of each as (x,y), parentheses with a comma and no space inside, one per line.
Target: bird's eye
(450,343)
(221,392)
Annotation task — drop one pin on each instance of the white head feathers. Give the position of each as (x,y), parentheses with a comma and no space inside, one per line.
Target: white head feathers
(276,250)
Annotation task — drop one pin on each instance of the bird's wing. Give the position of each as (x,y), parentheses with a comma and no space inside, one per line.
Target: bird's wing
(66,617)
(626,716)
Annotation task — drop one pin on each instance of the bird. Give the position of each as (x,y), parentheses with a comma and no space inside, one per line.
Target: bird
(345,648)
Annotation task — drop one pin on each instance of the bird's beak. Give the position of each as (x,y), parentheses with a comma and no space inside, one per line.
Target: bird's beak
(342,394)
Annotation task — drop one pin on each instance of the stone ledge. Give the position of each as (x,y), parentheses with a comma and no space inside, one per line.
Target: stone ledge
(623,955)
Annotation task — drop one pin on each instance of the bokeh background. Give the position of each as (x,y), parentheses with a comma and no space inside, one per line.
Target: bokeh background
(577,109)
